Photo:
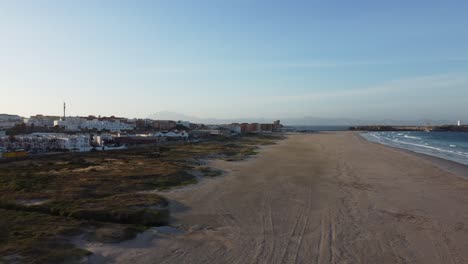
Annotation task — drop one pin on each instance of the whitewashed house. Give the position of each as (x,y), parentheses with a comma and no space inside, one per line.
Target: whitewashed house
(75,143)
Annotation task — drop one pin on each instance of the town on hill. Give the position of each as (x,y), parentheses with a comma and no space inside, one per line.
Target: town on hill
(43,134)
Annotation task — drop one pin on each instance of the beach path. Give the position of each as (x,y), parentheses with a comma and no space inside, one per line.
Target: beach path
(313,198)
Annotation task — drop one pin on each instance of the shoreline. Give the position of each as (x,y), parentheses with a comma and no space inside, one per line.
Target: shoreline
(453,167)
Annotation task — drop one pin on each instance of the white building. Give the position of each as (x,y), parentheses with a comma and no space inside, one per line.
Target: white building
(70,123)
(459,123)
(9,121)
(41,121)
(78,123)
(75,143)
(111,125)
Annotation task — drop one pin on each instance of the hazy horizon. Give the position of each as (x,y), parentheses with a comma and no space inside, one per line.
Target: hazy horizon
(291,121)
(360,60)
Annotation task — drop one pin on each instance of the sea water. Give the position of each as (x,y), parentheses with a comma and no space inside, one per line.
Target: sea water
(446,145)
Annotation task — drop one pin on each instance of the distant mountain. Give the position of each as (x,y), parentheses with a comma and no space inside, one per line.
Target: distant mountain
(167,115)
(312,121)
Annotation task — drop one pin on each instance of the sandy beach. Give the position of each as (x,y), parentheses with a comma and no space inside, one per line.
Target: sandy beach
(312,198)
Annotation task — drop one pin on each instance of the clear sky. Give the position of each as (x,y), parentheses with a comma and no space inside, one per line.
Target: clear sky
(240,58)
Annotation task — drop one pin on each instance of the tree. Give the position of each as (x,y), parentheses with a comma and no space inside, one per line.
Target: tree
(181,127)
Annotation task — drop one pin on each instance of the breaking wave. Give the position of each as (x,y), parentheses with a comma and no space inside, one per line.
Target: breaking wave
(446,145)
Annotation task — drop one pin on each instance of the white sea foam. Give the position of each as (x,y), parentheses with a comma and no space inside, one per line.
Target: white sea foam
(433,148)
(406,136)
(448,152)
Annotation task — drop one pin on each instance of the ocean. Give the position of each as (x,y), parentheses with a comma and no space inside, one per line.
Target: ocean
(446,145)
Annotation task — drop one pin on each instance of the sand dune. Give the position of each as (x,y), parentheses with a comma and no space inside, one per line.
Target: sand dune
(315,198)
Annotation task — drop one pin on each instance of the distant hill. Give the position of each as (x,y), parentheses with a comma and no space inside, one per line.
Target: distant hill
(308,120)
(167,115)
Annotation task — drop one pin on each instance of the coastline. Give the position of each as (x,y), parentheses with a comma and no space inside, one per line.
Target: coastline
(447,165)
(319,196)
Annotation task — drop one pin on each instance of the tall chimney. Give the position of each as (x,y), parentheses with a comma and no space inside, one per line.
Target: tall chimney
(64,107)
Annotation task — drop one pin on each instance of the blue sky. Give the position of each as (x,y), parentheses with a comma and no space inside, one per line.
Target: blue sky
(231,59)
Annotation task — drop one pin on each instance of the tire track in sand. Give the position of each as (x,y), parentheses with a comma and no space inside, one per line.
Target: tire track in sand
(292,248)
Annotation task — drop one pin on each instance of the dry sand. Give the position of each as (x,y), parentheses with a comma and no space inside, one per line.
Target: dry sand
(313,198)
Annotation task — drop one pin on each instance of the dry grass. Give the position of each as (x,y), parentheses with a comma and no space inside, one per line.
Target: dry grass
(96,188)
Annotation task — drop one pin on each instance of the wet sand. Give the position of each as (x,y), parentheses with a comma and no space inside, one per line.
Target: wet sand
(313,198)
